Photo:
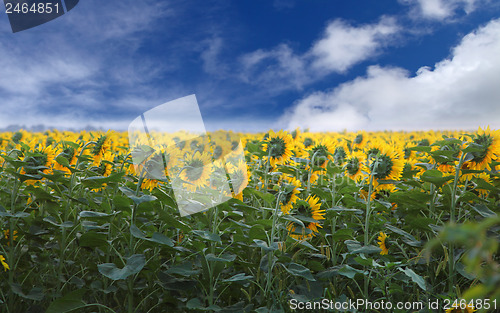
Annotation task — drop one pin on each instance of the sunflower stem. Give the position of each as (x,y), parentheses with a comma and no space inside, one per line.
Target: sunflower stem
(367,218)
(451,248)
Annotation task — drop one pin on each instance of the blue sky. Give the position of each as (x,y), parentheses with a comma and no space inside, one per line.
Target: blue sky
(259,64)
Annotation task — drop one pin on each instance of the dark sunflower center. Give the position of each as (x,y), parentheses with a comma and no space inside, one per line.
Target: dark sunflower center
(179,143)
(352,166)
(97,149)
(455,147)
(308,142)
(34,161)
(217,152)
(485,142)
(305,210)
(320,154)
(407,153)
(287,194)
(423,143)
(68,153)
(194,170)
(358,139)
(17,136)
(339,155)
(372,153)
(276,147)
(234,145)
(383,167)
(237,180)
(49,141)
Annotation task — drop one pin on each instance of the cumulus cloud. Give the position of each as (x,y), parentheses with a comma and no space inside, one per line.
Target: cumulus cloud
(441,9)
(460,92)
(342,46)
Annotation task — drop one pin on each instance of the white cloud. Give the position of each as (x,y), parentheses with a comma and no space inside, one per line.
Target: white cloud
(441,9)
(277,69)
(61,72)
(458,93)
(341,47)
(344,45)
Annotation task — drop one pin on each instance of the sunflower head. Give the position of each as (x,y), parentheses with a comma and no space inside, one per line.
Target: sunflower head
(197,170)
(321,152)
(487,144)
(290,186)
(311,210)
(239,176)
(278,147)
(354,165)
(382,243)
(386,164)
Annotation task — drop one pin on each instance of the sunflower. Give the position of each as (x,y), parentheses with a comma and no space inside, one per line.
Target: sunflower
(278,147)
(354,165)
(360,140)
(385,164)
(239,178)
(382,244)
(322,151)
(5,265)
(289,197)
(469,309)
(70,154)
(488,142)
(40,157)
(171,158)
(309,208)
(196,171)
(102,144)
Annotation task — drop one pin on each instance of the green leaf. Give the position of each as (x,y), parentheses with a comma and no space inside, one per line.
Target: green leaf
(135,263)
(69,302)
(93,239)
(97,181)
(142,199)
(207,235)
(483,210)
(52,220)
(156,238)
(349,271)
(185,269)
(194,304)
(92,214)
(221,258)
(414,277)
(269,198)
(299,270)
(36,293)
(62,160)
(363,261)
(420,149)
(435,177)
(342,234)
(356,247)
(238,277)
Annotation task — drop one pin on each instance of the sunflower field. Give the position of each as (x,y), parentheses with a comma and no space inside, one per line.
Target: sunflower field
(313,219)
